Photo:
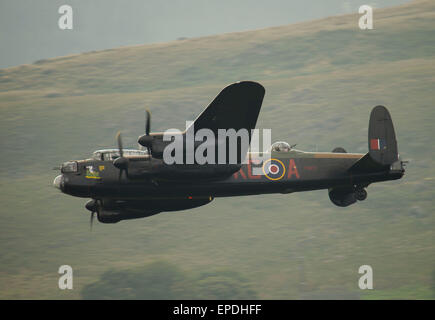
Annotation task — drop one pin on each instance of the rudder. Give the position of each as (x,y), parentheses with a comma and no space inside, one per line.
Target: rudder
(382,138)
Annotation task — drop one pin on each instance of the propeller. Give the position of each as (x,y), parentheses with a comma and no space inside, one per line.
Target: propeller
(121,162)
(119,140)
(148,122)
(92,205)
(91,222)
(146,140)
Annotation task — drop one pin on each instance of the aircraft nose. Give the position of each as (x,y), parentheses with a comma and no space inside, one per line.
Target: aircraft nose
(57,182)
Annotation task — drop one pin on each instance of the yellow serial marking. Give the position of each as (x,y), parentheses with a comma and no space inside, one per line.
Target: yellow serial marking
(338,155)
(92,177)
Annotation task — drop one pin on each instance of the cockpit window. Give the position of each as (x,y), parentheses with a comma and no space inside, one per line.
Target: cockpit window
(112,154)
(281,146)
(70,166)
(97,155)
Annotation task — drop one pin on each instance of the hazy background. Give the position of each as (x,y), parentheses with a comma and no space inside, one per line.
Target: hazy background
(322,79)
(29,29)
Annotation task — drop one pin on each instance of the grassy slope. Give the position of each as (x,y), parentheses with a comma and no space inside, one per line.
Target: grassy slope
(321,78)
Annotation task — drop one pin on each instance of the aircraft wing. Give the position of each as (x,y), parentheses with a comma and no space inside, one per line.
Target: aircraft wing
(237,106)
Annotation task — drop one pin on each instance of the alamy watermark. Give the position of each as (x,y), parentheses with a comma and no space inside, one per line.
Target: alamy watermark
(366,20)
(228,147)
(366,280)
(66,278)
(65,21)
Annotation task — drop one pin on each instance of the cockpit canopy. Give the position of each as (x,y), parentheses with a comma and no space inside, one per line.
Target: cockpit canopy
(280,146)
(112,154)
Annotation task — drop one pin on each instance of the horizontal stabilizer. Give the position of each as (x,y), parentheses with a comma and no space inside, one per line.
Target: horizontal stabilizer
(367,164)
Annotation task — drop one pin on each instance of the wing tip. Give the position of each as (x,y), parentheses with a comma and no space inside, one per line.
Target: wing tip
(249,84)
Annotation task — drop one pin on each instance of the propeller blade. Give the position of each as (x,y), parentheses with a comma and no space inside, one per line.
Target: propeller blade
(122,164)
(120,175)
(91,222)
(118,138)
(148,122)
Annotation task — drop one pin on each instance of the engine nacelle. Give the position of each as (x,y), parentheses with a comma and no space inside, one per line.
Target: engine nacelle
(106,216)
(115,211)
(342,196)
(157,168)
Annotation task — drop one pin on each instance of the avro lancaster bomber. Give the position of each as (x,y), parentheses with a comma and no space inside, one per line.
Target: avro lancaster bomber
(128,184)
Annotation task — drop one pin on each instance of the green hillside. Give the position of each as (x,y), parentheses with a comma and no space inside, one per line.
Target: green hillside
(321,77)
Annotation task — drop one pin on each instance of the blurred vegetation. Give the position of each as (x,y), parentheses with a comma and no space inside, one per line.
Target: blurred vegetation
(322,78)
(162,280)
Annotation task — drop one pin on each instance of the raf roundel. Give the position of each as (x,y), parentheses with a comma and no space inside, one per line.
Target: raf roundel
(274,169)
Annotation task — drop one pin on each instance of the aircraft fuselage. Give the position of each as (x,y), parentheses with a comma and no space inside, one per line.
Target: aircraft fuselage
(290,172)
